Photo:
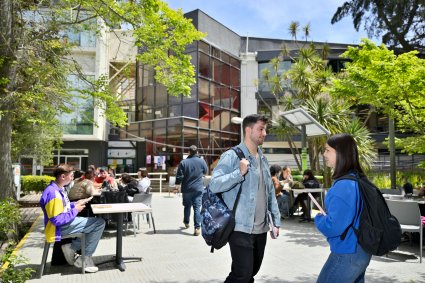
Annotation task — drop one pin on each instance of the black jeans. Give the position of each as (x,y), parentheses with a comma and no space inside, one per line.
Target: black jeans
(247,255)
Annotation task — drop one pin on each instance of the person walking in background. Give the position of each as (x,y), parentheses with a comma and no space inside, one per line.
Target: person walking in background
(282,197)
(189,180)
(347,261)
(257,198)
(60,219)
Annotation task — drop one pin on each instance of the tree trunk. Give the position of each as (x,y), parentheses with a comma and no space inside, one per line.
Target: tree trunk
(7,50)
(6,177)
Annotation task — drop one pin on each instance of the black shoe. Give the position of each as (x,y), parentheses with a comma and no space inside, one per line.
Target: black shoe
(305,220)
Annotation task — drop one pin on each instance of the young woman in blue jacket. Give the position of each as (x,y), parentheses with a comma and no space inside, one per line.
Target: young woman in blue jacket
(347,261)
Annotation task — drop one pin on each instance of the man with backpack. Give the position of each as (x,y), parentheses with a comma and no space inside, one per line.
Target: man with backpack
(189,177)
(248,240)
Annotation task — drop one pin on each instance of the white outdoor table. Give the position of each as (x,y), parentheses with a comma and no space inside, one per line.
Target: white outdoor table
(120,209)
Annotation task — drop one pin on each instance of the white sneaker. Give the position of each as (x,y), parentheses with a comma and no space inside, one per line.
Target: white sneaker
(89,265)
(69,254)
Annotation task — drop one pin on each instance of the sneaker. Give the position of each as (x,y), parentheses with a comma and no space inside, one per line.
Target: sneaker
(186,225)
(69,254)
(89,265)
(197,231)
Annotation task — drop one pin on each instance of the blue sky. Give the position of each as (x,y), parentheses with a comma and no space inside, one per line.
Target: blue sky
(271,18)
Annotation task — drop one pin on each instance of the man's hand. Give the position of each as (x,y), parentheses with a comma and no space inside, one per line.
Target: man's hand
(243,166)
(80,205)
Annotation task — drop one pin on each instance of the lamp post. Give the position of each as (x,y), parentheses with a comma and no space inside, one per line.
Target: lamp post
(308,127)
(238,120)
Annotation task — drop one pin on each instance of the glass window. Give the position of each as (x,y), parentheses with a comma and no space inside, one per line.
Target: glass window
(190,110)
(215,52)
(204,47)
(80,120)
(216,69)
(161,95)
(203,90)
(225,57)
(235,78)
(225,74)
(234,99)
(204,65)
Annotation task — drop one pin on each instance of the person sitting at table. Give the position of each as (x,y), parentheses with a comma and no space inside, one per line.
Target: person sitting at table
(84,188)
(60,219)
(282,196)
(143,182)
(309,182)
(105,180)
(130,185)
(286,176)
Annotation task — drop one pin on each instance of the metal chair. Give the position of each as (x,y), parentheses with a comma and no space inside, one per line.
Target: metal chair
(147,200)
(409,216)
(82,236)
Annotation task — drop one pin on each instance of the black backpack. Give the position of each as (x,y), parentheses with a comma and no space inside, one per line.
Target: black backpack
(379,232)
(218,221)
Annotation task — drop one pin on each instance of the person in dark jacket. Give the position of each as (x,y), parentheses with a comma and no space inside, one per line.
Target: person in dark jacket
(129,185)
(189,179)
(309,182)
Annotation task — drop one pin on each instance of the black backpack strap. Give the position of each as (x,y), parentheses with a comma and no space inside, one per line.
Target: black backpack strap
(240,155)
(238,152)
(354,178)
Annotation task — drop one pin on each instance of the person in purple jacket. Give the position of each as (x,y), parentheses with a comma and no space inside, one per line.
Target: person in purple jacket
(347,261)
(60,219)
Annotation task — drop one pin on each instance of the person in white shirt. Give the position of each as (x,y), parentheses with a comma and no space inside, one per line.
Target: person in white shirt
(143,182)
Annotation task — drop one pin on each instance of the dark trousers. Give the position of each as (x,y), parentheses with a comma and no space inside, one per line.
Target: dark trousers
(247,252)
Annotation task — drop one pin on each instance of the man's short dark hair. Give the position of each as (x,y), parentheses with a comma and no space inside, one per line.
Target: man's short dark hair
(193,150)
(62,169)
(252,119)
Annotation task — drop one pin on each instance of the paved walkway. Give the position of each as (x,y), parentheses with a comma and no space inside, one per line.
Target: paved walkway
(175,255)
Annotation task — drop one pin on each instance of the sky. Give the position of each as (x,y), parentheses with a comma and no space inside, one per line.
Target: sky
(271,18)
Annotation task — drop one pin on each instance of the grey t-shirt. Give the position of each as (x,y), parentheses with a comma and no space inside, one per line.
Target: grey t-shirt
(260,221)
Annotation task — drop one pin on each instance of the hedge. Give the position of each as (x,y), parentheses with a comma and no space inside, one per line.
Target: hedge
(35,183)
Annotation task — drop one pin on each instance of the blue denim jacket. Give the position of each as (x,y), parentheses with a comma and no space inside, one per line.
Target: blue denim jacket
(226,174)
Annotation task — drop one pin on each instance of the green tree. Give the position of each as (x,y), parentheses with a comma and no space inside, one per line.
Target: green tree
(309,80)
(36,60)
(392,85)
(399,22)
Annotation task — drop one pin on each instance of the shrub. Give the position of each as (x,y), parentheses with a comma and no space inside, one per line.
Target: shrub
(9,219)
(35,183)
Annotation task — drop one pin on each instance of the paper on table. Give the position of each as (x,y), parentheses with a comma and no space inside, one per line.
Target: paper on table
(317,204)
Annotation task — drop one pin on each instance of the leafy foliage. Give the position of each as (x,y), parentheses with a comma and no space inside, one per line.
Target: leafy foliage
(400,22)
(394,85)
(36,61)
(31,183)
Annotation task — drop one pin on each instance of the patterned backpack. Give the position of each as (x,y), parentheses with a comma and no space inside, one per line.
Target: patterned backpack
(218,221)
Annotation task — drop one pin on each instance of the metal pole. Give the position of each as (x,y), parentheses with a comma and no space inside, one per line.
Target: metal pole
(391,138)
(303,148)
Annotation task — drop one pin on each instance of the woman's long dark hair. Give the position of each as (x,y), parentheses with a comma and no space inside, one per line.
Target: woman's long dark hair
(347,156)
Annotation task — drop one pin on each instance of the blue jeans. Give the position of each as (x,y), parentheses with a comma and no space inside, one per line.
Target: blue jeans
(283,204)
(93,228)
(192,199)
(345,268)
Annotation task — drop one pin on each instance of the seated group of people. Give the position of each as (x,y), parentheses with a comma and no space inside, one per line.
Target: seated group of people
(93,181)
(63,203)
(282,179)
